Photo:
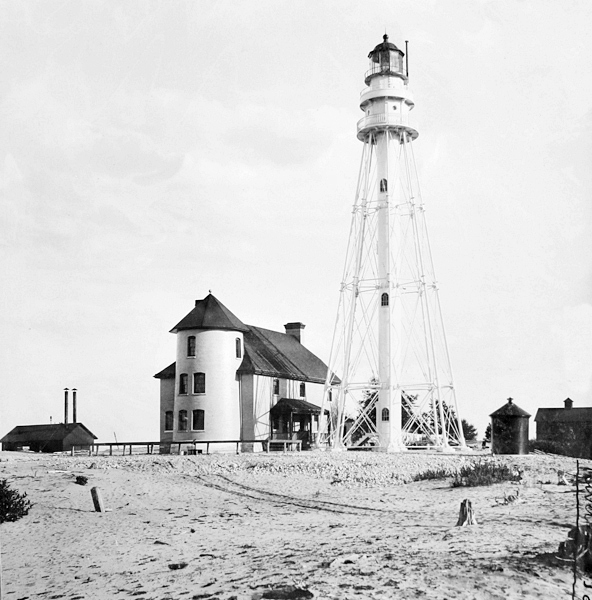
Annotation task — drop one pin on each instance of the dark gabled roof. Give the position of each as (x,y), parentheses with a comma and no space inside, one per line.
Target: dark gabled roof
(42,433)
(563,415)
(167,372)
(295,405)
(509,410)
(210,313)
(277,354)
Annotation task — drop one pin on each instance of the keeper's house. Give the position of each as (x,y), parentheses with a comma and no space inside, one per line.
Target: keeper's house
(233,381)
(569,429)
(58,437)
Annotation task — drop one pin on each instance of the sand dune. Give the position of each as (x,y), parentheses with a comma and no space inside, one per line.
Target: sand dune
(309,525)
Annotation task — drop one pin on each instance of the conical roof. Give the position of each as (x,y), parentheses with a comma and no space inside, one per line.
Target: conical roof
(210,313)
(509,410)
(385,45)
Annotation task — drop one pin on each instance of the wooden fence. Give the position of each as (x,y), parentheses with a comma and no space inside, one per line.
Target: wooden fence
(192,447)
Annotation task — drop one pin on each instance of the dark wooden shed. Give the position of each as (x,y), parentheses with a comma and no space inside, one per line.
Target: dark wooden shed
(48,438)
(509,429)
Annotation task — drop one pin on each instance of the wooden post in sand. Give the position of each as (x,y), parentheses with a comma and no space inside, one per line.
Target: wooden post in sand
(466,515)
(97,499)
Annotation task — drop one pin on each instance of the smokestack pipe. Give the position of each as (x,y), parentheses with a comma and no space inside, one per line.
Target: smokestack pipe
(74,405)
(65,406)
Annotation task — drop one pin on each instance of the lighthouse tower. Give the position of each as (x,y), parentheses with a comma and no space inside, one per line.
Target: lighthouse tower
(389,346)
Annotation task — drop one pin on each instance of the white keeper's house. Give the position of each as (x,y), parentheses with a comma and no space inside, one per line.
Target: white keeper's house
(233,382)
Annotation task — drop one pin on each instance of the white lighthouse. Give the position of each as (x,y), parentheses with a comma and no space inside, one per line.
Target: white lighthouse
(389,346)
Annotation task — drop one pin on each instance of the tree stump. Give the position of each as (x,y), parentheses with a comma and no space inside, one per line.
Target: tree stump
(466,516)
(578,546)
(97,499)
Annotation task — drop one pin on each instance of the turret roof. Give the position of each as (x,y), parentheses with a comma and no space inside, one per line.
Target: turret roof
(509,410)
(210,313)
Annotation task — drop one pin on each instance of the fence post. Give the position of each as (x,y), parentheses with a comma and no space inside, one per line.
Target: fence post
(97,499)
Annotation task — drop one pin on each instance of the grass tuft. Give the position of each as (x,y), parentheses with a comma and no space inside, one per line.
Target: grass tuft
(483,473)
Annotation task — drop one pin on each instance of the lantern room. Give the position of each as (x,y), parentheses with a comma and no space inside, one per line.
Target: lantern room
(386,59)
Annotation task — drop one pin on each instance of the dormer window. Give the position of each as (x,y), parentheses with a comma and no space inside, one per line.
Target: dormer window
(191,346)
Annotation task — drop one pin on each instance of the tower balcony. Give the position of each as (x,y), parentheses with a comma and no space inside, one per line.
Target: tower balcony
(384,122)
(386,88)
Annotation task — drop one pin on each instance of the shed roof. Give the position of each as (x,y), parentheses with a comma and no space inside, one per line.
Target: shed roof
(167,372)
(209,313)
(42,433)
(563,415)
(509,410)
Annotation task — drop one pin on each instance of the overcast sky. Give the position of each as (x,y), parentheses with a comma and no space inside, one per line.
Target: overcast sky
(152,151)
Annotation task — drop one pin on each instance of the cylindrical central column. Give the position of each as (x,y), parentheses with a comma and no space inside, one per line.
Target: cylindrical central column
(388,412)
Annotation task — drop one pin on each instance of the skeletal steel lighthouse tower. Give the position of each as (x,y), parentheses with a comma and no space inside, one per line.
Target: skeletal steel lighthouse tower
(389,347)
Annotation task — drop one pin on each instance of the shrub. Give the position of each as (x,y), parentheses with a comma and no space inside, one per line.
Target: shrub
(482,473)
(433,474)
(549,446)
(13,505)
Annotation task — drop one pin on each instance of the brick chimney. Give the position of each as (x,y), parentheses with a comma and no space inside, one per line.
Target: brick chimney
(295,330)
(568,403)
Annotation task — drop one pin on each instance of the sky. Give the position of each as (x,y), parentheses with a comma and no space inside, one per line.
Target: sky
(153,151)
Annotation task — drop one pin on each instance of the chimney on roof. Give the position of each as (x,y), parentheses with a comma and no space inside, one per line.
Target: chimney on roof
(568,403)
(295,330)
(65,406)
(74,405)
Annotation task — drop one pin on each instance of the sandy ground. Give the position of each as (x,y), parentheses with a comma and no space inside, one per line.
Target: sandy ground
(231,527)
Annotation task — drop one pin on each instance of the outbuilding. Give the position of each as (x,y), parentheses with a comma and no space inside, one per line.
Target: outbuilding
(509,429)
(57,437)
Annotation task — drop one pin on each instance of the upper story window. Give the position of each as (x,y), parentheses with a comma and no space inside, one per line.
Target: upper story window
(182,420)
(302,390)
(199,383)
(239,350)
(383,185)
(276,387)
(168,420)
(191,345)
(385,414)
(384,300)
(198,420)
(183,379)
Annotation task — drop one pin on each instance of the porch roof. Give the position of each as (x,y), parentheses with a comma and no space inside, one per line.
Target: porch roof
(297,406)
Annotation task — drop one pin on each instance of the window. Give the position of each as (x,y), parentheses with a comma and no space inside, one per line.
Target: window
(383,185)
(239,352)
(276,387)
(385,414)
(384,300)
(182,420)
(198,420)
(168,420)
(191,346)
(183,378)
(199,383)
(302,390)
